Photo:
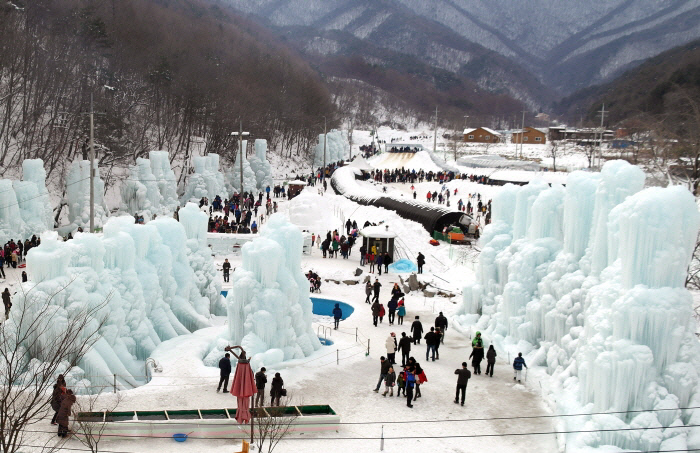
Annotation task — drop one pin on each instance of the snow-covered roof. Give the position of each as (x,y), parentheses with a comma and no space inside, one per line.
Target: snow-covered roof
(296,182)
(378,231)
(486,129)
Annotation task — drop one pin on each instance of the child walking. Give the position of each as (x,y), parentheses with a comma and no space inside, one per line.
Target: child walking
(389,382)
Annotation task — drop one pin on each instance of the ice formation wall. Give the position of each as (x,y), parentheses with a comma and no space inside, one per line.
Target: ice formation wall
(206,181)
(145,193)
(589,280)
(233,175)
(269,308)
(260,165)
(78,195)
(143,271)
(337,148)
(25,206)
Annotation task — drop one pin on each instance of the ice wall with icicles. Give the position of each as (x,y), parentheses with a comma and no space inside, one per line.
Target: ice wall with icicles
(233,174)
(588,281)
(150,189)
(206,181)
(261,166)
(337,148)
(25,206)
(269,309)
(78,195)
(151,288)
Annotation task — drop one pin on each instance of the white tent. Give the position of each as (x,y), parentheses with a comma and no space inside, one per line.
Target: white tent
(361,164)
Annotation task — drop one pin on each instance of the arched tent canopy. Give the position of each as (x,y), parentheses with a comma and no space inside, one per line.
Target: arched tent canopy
(433,217)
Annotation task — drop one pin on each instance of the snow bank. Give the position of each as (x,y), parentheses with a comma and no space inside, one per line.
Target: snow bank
(155,290)
(269,308)
(589,280)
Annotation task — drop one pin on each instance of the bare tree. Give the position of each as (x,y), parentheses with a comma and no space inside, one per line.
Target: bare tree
(87,427)
(40,340)
(553,152)
(275,425)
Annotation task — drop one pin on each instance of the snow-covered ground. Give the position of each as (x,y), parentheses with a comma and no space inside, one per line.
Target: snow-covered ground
(342,375)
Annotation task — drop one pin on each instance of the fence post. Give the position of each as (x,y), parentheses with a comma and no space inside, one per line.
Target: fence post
(368,346)
(355,334)
(115,383)
(337,356)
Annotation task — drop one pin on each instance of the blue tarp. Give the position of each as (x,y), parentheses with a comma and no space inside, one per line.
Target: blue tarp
(403,266)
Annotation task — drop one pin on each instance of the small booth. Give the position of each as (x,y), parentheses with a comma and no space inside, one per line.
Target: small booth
(380,236)
(294,188)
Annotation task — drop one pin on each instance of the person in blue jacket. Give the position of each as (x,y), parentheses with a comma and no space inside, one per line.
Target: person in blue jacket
(337,315)
(518,365)
(378,261)
(410,382)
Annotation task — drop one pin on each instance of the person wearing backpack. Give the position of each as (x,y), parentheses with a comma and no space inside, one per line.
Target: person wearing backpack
(518,365)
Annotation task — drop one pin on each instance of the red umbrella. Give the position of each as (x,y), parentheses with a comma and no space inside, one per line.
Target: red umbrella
(243,386)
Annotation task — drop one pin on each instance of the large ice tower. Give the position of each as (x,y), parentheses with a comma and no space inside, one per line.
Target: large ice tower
(155,278)
(269,308)
(589,280)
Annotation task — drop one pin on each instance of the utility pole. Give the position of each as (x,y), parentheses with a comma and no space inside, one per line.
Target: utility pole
(92,166)
(240,135)
(465,121)
(92,163)
(435,133)
(522,135)
(350,135)
(600,144)
(325,136)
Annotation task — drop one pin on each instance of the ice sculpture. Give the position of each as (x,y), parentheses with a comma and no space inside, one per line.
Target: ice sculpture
(337,148)
(260,165)
(233,175)
(78,195)
(206,181)
(165,177)
(269,309)
(199,257)
(144,273)
(150,189)
(140,192)
(25,206)
(602,305)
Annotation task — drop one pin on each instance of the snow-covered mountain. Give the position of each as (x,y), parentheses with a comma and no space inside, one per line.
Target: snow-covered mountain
(567,44)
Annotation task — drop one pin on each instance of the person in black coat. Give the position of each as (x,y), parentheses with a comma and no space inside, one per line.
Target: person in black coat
(477,356)
(260,381)
(417,329)
(405,348)
(225,372)
(420,261)
(441,323)
(337,316)
(376,287)
(276,389)
(463,376)
(227,270)
(490,360)
(386,261)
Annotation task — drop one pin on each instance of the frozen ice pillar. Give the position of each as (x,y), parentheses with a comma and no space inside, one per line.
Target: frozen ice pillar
(269,309)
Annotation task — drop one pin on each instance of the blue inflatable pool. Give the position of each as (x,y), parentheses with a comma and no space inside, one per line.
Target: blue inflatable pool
(325,307)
